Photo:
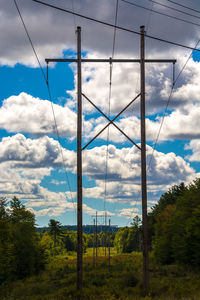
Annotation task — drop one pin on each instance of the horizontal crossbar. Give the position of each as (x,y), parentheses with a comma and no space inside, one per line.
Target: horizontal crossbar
(110,60)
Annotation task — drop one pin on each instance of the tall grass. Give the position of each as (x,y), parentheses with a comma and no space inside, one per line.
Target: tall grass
(122,279)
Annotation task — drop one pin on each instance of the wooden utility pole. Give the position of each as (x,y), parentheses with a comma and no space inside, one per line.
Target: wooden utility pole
(143,164)
(79,166)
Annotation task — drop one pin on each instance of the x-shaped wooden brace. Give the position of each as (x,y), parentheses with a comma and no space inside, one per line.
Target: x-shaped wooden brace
(110,121)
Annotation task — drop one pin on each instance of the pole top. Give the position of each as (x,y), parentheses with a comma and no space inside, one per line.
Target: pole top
(78,28)
(142,29)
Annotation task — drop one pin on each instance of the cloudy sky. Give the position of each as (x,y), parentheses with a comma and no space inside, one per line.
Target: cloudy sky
(40,168)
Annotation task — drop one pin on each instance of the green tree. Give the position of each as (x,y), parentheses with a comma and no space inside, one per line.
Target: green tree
(55,229)
(170,197)
(177,228)
(20,251)
(6,246)
(28,254)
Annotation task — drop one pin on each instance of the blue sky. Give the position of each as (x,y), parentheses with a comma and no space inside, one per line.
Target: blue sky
(31,164)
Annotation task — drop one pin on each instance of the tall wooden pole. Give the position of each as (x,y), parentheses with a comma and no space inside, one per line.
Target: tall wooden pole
(79,167)
(143,165)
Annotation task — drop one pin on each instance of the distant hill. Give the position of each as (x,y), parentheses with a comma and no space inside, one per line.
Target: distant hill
(86,228)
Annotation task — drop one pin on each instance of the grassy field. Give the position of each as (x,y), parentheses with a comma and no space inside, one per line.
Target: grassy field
(122,279)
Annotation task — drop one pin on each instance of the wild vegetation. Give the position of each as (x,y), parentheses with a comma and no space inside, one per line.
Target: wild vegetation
(43,265)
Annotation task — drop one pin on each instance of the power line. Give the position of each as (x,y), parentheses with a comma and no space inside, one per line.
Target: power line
(190,8)
(29,38)
(109,99)
(173,8)
(160,13)
(73,15)
(118,27)
(167,105)
(50,98)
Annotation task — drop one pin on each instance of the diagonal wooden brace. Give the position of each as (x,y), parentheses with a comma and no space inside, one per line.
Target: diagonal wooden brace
(111,122)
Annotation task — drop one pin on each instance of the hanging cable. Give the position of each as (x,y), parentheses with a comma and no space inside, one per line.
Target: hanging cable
(167,105)
(50,98)
(109,100)
(190,8)
(139,193)
(174,9)
(160,13)
(118,27)
(74,16)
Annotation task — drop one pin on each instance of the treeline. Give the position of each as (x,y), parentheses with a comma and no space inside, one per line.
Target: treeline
(173,232)
(57,240)
(174,225)
(24,251)
(129,239)
(173,228)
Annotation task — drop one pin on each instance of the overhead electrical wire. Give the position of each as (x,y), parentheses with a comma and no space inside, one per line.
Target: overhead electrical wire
(117,27)
(109,100)
(187,7)
(164,115)
(50,97)
(74,15)
(160,13)
(167,105)
(138,195)
(134,32)
(174,9)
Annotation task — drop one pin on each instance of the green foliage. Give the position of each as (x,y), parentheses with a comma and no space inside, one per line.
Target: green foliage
(20,251)
(177,226)
(121,280)
(55,229)
(128,239)
(168,198)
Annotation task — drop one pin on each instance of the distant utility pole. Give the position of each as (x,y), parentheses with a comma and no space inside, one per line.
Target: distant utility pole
(104,239)
(142,62)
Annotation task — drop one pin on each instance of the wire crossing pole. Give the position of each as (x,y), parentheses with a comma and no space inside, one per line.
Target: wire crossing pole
(79,167)
(143,165)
